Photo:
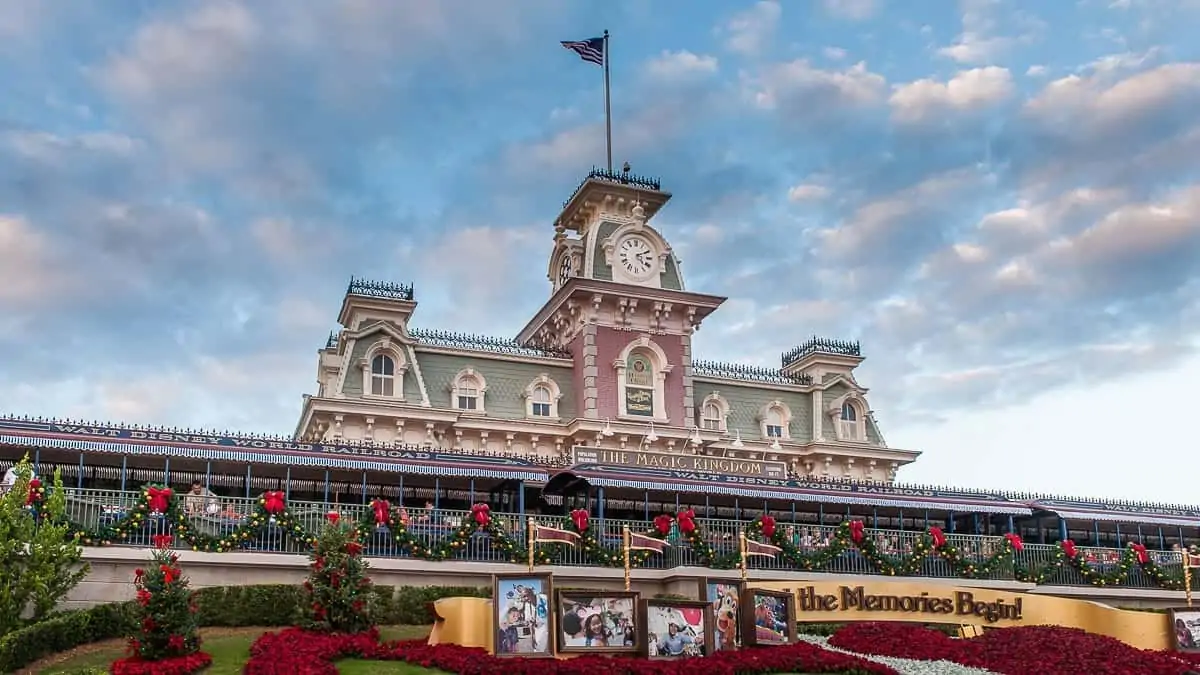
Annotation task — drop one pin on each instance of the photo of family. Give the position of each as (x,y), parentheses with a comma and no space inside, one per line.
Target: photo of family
(676,628)
(771,619)
(597,621)
(724,597)
(1186,624)
(522,606)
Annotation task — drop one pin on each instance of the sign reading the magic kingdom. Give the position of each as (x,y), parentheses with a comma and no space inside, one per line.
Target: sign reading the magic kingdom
(685,463)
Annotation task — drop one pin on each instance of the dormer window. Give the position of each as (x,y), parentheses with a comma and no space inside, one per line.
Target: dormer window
(775,419)
(851,424)
(383,370)
(383,376)
(467,392)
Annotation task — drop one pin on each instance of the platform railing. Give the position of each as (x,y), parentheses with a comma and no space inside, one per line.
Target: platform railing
(218,516)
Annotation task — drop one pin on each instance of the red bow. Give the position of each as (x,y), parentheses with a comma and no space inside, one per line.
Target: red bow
(1142,556)
(768,526)
(662,523)
(939,537)
(273,502)
(482,513)
(159,499)
(687,521)
(382,509)
(1014,540)
(1069,549)
(35,492)
(856,531)
(353,548)
(580,518)
(162,540)
(333,517)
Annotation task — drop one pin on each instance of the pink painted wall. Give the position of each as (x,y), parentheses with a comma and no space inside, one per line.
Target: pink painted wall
(609,345)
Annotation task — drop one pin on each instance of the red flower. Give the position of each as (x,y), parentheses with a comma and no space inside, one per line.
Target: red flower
(662,523)
(939,537)
(768,526)
(176,665)
(175,642)
(1015,541)
(143,597)
(273,502)
(580,518)
(687,521)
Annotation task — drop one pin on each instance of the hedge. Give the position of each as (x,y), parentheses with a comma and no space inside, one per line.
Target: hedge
(219,606)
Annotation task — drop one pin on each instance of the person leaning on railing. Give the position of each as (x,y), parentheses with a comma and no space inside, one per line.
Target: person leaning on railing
(201,500)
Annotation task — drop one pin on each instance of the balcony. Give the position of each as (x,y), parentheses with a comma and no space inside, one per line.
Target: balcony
(94,511)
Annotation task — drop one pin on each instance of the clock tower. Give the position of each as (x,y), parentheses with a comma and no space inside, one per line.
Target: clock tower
(620,306)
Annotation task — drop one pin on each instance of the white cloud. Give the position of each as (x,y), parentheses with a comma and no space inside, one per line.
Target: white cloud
(968,90)
(981,40)
(1036,71)
(26,272)
(748,32)
(1096,101)
(817,88)
(681,66)
(808,192)
(856,10)
(834,53)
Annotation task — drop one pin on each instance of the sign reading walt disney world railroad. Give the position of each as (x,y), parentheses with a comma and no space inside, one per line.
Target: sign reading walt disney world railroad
(641,459)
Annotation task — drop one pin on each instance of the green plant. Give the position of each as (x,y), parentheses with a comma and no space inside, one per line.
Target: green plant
(40,562)
(168,625)
(337,593)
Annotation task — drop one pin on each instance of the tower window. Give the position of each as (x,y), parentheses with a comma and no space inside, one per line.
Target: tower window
(383,376)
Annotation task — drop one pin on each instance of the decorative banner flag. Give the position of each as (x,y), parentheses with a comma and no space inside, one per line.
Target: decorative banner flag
(643,542)
(1193,560)
(553,535)
(761,549)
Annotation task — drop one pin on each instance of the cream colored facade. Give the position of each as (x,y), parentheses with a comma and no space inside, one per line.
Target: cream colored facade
(605,362)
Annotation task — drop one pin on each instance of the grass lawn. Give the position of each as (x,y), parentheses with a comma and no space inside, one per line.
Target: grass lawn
(229,647)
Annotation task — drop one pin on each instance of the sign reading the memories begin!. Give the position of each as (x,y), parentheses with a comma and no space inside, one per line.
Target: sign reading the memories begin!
(688,463)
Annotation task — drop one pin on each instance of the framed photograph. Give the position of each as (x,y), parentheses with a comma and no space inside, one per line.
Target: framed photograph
(597,622)
(769,617)
(523,618)
(1185,626)
(675,629)
(724,596)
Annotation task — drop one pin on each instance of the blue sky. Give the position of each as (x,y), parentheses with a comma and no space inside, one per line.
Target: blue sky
(1001,199)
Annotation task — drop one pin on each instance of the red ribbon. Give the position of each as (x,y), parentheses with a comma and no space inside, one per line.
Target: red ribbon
(662,523)
(383,511)
(273,502)
(35,492)
(1142,556)
(162,540)
(687,521)
(353,548)
(1069,549)
(482,514)
(580,518)
(856,531)
(1015,541)
(159,499)
(768,526)
(939,537)
(333,517)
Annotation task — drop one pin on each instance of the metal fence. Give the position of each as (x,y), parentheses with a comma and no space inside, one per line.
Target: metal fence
(95,509)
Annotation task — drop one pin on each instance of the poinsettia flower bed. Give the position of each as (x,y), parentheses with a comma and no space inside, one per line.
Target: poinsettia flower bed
(298,652)
(178,665)
(1046,650)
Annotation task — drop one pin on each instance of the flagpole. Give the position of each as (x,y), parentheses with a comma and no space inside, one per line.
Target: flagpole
(532,538)
(625,540)
(1187,577)
(607,107)
(742,542)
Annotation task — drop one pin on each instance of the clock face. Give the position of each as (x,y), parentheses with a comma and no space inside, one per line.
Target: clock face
(636,256)
(564,269)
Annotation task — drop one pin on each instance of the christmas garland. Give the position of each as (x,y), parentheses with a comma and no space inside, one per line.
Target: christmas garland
(382,514)
(1068,554)
(606,556)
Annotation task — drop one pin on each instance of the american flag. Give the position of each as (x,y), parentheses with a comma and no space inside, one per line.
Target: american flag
(759,548)
(554,535)
(644,542)
(590,50)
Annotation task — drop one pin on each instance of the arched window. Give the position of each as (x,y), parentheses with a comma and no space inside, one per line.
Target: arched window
(776,418)
(850,426)
(642,370)
(639,385)
(383,376)
(540,401)
(710,417)
(467,391)
(383,369)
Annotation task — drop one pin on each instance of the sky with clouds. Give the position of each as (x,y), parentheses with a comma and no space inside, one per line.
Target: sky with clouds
(1000,198)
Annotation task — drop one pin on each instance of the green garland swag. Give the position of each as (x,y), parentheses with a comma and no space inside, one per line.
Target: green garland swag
(1066,554)
(453,543)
